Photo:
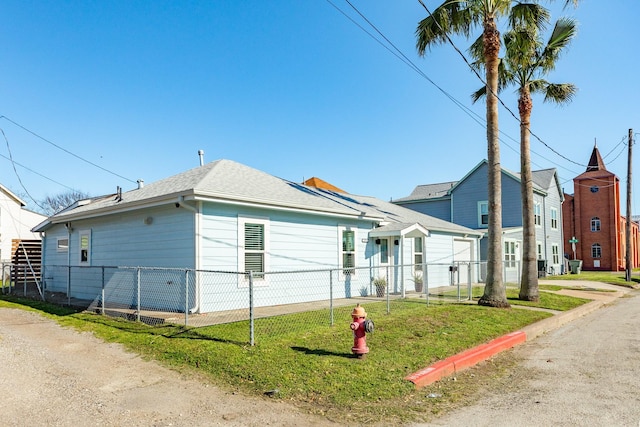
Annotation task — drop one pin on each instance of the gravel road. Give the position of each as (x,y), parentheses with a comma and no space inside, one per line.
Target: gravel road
(586,373)
(53,376)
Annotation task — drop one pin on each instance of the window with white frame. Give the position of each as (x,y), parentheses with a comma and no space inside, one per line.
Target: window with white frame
(555,254)
(384,251)
(483,214)
(537,214)
(595,224)
(596,250)
(417,253)
(554,218)
(348,251)
(85,246)
(539,249)
(62,244)
(509,254)
(253,248)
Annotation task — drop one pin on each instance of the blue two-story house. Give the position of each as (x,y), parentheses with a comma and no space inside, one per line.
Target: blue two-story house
(465,202)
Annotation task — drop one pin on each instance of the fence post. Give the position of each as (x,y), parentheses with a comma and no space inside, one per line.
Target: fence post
(331,297)
(24,280)
(426,282)
(456,278)
(387,290)
(470,288)
(102,292)
(251,313)
(138,295)
(68,285)
(186,298)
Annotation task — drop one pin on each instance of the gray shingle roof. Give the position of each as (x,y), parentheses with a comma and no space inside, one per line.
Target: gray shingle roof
(429,191)
(543,178)
(232,181)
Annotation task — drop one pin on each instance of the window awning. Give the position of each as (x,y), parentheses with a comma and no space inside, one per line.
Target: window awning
(399,229)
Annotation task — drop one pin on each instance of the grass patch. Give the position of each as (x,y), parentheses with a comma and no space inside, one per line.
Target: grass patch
(312,366)
(611,277)
(548,300)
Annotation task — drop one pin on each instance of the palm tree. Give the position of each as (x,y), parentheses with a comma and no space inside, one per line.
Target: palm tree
(527,60)
(461,17)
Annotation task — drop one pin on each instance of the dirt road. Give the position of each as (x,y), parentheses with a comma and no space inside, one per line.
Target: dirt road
(58,377)
(586,373)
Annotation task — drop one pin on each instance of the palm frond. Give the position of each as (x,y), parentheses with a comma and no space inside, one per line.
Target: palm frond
(479,94)
(529,15)
(563,33)
(451,17)
(575,3)
(560,93)
(476,50)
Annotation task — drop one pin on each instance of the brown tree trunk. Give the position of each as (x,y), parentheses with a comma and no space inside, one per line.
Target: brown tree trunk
(494,290)
(529,279)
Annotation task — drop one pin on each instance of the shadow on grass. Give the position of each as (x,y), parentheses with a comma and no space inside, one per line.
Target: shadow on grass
(45,307)
(121,323)
(319,352)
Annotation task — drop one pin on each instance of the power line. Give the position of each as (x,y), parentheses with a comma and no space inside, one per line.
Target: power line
(38,173)
(473,69)
(16,171)
(65,150)
(402,57)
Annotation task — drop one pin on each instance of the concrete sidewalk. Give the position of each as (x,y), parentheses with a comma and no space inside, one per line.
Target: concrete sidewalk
(601,294)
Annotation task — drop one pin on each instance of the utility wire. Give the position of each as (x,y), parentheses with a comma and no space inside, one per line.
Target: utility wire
(474,116)
(473,69)
(400,55)
(16,171)
(65,150)
(38,173)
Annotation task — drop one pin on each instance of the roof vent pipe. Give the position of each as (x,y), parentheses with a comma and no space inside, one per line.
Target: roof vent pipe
(201,155)
(140,183)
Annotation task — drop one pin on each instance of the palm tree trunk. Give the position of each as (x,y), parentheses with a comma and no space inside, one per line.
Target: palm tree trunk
(494,290)
(529,279)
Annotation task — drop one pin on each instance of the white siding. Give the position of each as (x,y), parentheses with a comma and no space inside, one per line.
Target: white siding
(15,223)
(296,242)
(161,237)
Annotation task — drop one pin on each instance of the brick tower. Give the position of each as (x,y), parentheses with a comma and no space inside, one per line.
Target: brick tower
(592,216)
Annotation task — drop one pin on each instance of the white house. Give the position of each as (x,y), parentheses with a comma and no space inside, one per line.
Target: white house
(16,222)
(225,216)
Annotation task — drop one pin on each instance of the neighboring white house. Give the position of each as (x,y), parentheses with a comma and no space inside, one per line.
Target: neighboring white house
(225,216)
(16,222)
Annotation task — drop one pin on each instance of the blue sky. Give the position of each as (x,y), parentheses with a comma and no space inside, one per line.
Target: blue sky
(98,94)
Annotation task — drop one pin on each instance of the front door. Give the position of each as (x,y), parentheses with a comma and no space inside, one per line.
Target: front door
(387,259)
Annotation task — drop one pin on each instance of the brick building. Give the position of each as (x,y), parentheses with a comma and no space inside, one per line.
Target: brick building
(592,217)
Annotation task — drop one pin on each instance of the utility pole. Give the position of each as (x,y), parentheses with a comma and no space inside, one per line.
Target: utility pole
(628,231)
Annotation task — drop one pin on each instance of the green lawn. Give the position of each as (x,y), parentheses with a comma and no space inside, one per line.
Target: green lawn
(312,365)
(612,277)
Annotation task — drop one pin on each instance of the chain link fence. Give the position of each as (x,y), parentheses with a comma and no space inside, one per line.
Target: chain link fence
(245,305)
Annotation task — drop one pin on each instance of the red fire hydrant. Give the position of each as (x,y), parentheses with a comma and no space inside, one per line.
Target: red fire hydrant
(359,327)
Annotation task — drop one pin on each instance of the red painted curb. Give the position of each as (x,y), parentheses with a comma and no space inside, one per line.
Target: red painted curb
(431,374)
(465,359)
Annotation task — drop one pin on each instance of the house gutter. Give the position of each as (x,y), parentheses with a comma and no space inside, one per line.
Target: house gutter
(180,203)
(182,200)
